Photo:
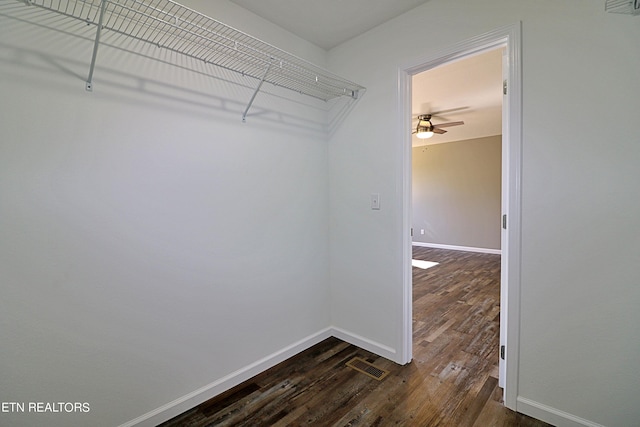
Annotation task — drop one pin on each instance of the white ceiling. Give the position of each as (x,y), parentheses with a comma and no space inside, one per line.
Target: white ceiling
(472,87)
(328,23)
(469,90)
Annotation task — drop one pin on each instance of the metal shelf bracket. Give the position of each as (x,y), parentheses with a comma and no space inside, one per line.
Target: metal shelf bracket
(246,110)
(96,44)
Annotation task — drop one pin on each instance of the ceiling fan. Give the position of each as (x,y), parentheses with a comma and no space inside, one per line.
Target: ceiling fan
(425,129)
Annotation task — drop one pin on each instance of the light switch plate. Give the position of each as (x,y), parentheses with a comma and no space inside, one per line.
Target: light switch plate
(375,201)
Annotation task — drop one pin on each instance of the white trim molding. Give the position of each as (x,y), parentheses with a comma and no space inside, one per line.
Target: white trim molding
(551,415)
(188,401)
(193,399)
(367,344)
(508,37)
(458,248)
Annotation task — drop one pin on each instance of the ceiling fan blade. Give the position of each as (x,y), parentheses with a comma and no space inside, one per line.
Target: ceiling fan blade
(444,125)
(440,131)
(449,110)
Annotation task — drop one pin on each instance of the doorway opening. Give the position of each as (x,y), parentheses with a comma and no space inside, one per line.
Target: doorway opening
(456,186)
(457,202)
(508,40)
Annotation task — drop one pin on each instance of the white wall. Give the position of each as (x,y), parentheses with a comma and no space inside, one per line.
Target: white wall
(581,202)
(150,242)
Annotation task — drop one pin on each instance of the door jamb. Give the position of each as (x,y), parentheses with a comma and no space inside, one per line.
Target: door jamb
(510,38)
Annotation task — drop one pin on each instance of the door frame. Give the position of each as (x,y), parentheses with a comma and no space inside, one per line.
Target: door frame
(508,37)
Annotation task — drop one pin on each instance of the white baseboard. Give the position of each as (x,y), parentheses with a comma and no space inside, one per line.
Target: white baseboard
(458,248)
(367,344)
(551,415)
(184,403)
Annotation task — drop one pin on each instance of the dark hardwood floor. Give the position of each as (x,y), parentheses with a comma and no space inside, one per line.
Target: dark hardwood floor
(452,380)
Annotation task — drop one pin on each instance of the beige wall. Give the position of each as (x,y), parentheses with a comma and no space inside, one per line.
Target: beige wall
(456,193)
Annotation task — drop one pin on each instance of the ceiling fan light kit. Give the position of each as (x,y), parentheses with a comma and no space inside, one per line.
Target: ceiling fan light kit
(424,132)
(425,129)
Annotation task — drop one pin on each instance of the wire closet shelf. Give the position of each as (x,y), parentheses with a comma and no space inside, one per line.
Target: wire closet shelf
(172,26)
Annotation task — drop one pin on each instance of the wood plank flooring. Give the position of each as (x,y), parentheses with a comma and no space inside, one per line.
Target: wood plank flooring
(452,380)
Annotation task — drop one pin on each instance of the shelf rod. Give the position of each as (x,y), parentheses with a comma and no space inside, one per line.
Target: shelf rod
(89,85)
(264,76)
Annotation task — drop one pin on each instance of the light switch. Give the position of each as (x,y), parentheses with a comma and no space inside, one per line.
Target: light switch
(375,201)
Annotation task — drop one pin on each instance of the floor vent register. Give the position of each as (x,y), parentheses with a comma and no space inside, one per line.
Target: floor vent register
(367,368)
